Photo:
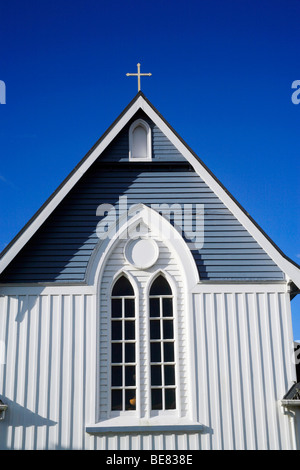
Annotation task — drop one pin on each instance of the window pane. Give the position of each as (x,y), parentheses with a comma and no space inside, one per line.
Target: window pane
(163,390)
(129,376)
(116,376)
(129,308)
(168,329)
(116,352)
(160,286)
(122,287)
(156,397)
(116,399)
(169,375)
(116,308)
(155,352)
(116,330)
(130,400)
(129,352)
(139,142)
(170,399)
(167,307)
(122,347)
(168,352)
(154,308)
(156,375)
(154,329)
(129,330)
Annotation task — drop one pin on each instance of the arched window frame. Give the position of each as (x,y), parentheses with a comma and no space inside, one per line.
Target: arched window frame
(135,412)
(147,128)
(190,278)
(173,286)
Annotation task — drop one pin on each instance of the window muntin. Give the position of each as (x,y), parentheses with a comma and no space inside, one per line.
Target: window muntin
(123,347)
(162,352)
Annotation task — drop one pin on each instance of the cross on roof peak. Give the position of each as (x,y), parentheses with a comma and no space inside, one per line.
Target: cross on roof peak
(138,75)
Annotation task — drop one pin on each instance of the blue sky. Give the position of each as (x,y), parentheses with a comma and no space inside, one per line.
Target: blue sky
(222,73)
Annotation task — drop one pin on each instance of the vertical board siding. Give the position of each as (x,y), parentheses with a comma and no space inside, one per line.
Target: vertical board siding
(44,379)
(243,369)
(242,360)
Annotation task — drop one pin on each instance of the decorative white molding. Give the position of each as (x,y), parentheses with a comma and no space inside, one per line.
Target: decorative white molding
(175,292)
(141,253)
(235,287)
(120,425)
(101,274)
(159,227)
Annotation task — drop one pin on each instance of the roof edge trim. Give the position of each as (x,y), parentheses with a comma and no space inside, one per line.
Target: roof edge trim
(287,265)
(63,189)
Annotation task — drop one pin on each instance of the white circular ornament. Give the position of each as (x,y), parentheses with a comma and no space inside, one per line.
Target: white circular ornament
(141,252)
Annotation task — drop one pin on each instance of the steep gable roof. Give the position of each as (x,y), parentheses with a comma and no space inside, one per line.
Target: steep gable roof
(140,102)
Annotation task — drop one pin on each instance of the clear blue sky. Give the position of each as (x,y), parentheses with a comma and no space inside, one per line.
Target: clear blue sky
(222,76)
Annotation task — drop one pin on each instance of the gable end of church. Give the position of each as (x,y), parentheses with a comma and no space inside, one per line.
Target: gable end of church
(61,249)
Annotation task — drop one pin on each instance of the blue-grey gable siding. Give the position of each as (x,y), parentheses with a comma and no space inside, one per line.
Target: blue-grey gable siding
(62,247)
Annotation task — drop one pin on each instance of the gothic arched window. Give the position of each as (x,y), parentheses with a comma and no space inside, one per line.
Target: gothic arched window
(162,347)
(123,346)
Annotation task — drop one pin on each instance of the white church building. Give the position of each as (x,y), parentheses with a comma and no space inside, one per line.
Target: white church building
(142,308)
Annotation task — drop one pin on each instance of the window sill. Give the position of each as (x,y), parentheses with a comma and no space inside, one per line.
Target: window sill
(121,426)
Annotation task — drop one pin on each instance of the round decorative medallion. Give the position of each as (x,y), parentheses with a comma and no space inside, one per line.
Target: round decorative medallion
(141,252)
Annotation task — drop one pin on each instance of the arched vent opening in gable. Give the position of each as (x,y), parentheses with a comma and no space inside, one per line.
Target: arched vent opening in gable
(140,141)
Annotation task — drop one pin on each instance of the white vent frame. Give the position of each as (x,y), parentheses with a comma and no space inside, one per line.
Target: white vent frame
(147,128)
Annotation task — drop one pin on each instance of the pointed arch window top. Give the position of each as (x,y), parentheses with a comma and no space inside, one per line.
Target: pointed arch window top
(122,287)
(140,141)
(160,286)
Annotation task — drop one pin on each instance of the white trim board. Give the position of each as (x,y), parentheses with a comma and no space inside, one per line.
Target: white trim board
(140,102)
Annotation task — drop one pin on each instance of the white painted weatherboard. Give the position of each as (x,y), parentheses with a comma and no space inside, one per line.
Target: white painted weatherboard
(243,365)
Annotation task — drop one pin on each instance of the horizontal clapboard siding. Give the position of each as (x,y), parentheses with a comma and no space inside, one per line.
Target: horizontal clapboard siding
(61,249)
